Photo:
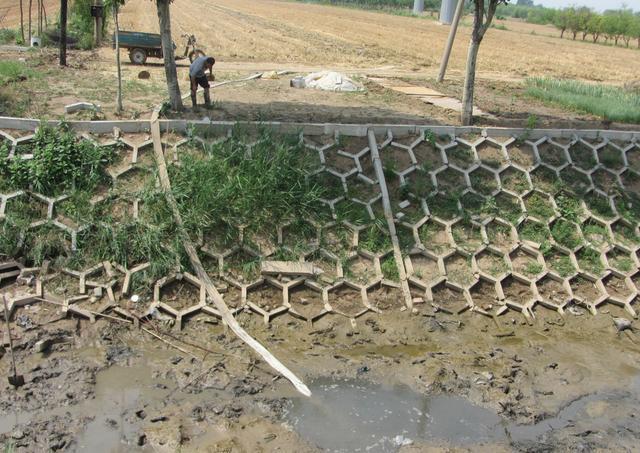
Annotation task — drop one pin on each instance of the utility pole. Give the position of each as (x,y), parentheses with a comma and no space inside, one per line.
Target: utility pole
(63,32)
(452,37)
(418,6)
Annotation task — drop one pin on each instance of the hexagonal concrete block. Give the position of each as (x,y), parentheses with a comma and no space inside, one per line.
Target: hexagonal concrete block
(306,302)
(347,299)
(267,298)
(450,298)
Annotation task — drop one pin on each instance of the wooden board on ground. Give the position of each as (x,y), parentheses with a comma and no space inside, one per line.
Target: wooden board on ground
(427,95)
(289,268)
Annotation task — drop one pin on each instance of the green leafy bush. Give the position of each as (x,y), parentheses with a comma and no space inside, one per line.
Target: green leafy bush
(61,162)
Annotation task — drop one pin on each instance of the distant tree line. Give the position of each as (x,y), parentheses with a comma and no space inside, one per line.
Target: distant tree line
(383,4)
(612,26)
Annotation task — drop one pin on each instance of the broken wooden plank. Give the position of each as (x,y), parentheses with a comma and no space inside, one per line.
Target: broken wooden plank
(388,214)
(289,268)
(212,292)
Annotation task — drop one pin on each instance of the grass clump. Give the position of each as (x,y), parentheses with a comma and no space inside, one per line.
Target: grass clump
(14,71)
(609,102)
(533,268)
(259,191)
(389,268)
(538,206)
(589,260)
(535,232)
(566,234)
(569,207)
(7,36)
(375,238)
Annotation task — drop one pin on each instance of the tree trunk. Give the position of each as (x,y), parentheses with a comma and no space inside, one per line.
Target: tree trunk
(39,18)
(616,39)
(469,82)
(21,21)
(117,39)
(63,32)
(595,37)
(30,3)
(164,19)
(562,33)
(574,34)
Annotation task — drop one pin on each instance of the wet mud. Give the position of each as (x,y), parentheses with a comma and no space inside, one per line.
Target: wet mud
(398,381)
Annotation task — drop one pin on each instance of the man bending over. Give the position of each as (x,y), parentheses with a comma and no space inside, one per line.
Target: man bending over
(198,77)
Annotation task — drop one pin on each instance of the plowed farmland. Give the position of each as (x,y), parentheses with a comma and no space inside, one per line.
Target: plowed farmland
(291,32)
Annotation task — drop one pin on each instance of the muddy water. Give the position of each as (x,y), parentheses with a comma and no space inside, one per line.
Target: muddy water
(119,391)
(345,415)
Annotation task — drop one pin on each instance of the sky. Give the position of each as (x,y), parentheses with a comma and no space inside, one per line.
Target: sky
(599,5)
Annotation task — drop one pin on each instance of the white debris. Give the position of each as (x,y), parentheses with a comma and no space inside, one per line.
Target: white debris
(622,324)
(135,298)
(575,311)
(402,441)
(327,81)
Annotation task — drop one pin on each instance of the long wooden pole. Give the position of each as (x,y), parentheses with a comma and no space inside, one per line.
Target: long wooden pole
(452,37)
(388,214)
(212,292)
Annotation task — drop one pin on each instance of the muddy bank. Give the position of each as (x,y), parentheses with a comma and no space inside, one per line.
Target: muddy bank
(561,383)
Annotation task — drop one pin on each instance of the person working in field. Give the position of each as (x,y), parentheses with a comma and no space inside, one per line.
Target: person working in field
(198,77)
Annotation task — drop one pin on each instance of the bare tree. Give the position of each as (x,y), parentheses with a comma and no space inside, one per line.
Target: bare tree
(484,10)
(30,3)
(114,5)
(171,73)
(63,32)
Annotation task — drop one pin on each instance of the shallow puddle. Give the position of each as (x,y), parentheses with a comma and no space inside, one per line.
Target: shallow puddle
(350,415)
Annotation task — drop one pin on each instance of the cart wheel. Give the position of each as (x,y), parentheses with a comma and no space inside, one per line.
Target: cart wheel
(138,56)
(195,54)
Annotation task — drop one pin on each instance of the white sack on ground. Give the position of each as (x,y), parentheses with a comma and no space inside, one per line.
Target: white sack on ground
(328,81)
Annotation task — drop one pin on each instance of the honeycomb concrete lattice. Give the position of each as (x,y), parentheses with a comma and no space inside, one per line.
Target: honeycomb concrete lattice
(487,221)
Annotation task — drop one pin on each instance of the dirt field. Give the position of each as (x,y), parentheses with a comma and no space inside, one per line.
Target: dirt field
(315,35)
